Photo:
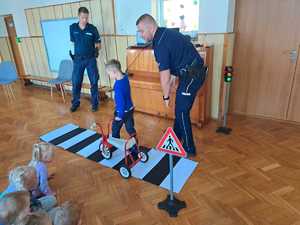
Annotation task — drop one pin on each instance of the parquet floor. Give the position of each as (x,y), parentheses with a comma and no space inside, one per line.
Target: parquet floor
(251,177)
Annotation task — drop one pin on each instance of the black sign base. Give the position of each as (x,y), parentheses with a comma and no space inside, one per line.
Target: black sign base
(224,130)
(171,206)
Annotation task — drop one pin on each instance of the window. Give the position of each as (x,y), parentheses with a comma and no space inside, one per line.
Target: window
(180,13)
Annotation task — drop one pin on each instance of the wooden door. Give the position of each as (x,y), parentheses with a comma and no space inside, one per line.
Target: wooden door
(264,72)
(12,35)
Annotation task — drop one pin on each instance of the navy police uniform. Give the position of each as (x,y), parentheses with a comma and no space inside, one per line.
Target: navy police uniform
(175,52)
(85,58)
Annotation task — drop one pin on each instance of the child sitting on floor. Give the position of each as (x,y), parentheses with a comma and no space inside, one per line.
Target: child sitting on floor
(24,178)
(124,108)
(42,153)
(15,210)
(14,207)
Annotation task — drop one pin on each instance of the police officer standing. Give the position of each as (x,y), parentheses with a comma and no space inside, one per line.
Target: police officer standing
(176,57)
(86,41)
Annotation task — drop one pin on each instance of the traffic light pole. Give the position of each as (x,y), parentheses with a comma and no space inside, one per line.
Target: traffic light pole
(227,80)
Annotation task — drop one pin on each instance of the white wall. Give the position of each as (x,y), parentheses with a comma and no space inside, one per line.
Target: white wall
(127,14)
(17,7)
(216,16)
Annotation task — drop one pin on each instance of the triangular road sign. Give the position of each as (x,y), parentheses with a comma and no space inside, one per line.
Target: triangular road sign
(169,143)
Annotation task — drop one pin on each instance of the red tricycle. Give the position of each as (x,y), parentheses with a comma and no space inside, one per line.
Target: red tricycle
(105,147)
(132,151)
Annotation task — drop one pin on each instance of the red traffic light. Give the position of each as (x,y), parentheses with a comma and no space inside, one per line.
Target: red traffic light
(228,69)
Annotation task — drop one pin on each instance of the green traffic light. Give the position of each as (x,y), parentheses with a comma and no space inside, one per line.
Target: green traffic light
(18,40)
(228,79)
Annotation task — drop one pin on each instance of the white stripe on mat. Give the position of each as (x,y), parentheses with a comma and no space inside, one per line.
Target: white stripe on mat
(58,132)
(142,169)
(181,173)
(90,149)
(117,156)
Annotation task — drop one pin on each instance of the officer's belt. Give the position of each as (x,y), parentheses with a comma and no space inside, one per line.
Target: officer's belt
(193,70)
(82,57)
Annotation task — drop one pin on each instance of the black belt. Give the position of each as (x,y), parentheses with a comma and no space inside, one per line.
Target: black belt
(194,70)
(82,57)
(197,70)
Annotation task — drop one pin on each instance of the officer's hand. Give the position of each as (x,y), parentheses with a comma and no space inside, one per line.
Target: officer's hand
(71,55)
(118,118)
(96,52)
(167,102)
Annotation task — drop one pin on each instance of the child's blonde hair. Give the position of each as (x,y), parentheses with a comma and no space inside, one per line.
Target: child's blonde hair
(39,150)
(114,64)
(12,206)
(22,177)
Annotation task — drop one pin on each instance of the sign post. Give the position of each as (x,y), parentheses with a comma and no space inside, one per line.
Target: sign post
(171,145)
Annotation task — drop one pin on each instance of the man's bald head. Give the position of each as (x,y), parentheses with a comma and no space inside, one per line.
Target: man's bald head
(147,27)
(146,18)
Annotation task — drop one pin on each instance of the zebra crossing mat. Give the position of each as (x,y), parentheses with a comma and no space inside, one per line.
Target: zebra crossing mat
(85,143)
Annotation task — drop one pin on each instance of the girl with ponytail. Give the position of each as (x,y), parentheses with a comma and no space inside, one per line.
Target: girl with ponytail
(42,154)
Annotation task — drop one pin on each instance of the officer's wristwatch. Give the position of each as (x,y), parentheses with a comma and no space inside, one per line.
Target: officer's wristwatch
(166,98)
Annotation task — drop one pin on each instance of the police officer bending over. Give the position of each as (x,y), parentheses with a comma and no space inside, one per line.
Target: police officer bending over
(86,41)
(176,57)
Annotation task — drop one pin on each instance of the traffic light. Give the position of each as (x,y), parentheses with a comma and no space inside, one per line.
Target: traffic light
(228,73)
(18,40)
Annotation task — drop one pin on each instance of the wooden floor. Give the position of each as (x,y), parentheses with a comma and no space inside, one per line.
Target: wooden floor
(250,177)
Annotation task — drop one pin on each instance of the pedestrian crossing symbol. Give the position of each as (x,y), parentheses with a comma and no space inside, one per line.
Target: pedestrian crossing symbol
(170,143)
